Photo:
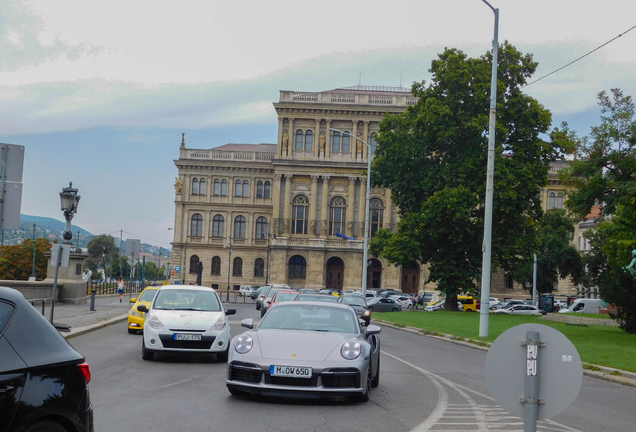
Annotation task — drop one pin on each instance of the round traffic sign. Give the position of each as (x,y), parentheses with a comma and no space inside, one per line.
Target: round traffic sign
(558,366)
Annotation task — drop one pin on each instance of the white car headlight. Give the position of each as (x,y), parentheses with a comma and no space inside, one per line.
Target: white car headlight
(219,324)
(351,350)
(243,344)
(133,312)
(154,322)
(366,312)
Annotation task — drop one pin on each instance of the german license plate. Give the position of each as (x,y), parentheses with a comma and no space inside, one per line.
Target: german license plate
(187,337)
(290,371)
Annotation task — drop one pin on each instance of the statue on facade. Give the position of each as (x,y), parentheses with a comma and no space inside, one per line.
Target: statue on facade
(322,141)
(631,268)
(285,141)
(178,184)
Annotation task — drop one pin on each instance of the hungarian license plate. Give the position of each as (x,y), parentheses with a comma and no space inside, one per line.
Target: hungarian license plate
(290,371)
(187,337)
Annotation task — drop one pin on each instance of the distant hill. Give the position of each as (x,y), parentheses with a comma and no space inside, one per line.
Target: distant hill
(26,223)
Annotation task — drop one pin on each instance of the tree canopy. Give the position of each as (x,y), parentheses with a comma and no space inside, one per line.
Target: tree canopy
(16,262)
(433,158)
(101,251)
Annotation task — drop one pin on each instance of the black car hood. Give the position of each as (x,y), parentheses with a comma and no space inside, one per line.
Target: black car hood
(32,337)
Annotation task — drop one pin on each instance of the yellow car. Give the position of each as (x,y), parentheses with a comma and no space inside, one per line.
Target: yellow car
(135,318)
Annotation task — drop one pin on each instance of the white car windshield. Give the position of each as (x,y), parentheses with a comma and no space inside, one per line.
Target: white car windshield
(311,318)
(187,299)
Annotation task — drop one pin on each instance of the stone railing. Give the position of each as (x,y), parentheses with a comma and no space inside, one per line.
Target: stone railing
(393,98)
(317,243)
(228,155)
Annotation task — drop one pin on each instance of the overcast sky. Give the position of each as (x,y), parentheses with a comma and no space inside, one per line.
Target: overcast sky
(99,92)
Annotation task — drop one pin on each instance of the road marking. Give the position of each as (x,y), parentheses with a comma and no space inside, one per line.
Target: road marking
(176,383)
(479,417)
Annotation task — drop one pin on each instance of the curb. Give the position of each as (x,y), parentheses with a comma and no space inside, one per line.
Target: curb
(603,372)
(89,328)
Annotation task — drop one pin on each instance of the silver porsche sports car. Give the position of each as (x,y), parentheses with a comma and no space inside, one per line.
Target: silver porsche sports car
(306,349)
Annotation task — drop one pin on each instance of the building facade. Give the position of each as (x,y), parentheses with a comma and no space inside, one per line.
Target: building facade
(274,212)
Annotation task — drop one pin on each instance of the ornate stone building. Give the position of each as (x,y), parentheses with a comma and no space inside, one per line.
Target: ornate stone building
(257,213)
(280,206)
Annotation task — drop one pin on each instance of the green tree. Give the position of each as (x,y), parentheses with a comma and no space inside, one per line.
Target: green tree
(114,267)
(16,262)
(557,258)
(101,250)
(433,158)
(604,175)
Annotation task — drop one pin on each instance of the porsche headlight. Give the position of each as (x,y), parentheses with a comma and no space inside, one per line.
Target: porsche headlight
(220,324)
(351,350)
(133,312)
(154,322)
(243,344)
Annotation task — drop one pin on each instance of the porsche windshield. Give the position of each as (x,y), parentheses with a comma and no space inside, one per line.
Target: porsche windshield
(187,299)
(310,318)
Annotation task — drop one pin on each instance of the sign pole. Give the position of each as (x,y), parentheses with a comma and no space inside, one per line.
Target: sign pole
(531,399)
(58,263)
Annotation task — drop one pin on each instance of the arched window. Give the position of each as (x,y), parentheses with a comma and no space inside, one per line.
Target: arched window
(217,187)
(335,143)
(297,267)
(551,200)
(218,226)
(259,267)
(239,227)
(376,215)
(346,139)
(238,190)
(300,212)
(237,267)
(309,140)
(259,189)
(195,186)
(299,139)
(246,188)
(202,186)
(194,260)
(216,266)
(223,187)
(196,225)
(266,192)
(261,228)
(337,215)
(559,202)
(372,140)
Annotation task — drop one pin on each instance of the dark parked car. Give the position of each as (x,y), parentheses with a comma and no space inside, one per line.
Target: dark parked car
(359,305)
(43,380)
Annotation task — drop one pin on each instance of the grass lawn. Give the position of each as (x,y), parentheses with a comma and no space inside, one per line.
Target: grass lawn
(602,345)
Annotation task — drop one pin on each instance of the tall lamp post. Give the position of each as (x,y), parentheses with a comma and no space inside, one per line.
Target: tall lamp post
(229,260)
(33,273)
(365,251)
(490,174)
(267,269)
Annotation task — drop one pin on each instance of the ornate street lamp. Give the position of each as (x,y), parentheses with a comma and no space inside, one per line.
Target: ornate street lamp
(69,200)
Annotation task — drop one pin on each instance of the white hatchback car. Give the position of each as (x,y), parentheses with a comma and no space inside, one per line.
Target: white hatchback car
(187,320)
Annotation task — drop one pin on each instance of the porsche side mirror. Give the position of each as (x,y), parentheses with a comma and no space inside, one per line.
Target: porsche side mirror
(373,330)
(248,323)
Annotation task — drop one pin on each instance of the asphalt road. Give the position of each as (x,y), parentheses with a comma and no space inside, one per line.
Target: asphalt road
(425,384)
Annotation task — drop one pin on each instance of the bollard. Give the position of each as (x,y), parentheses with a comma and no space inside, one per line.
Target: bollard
(93,300)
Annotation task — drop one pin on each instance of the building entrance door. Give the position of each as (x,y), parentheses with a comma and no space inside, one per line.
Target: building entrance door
(410,278)
(335,273)
(374,274)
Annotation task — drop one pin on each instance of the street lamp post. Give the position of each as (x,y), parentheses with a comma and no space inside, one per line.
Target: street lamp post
(229,260)
(490,174)
(267,270)
(365,252)
(69,200)
(33,273)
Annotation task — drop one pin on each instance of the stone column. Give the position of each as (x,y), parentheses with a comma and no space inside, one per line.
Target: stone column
(328,144)
(363,204)
(389,207)
(324,214)
(287,204)
(292,138)
(365,149)
(313,205)
(281,124)
(316,143)
(354,141)
(276,203)
(351,206)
